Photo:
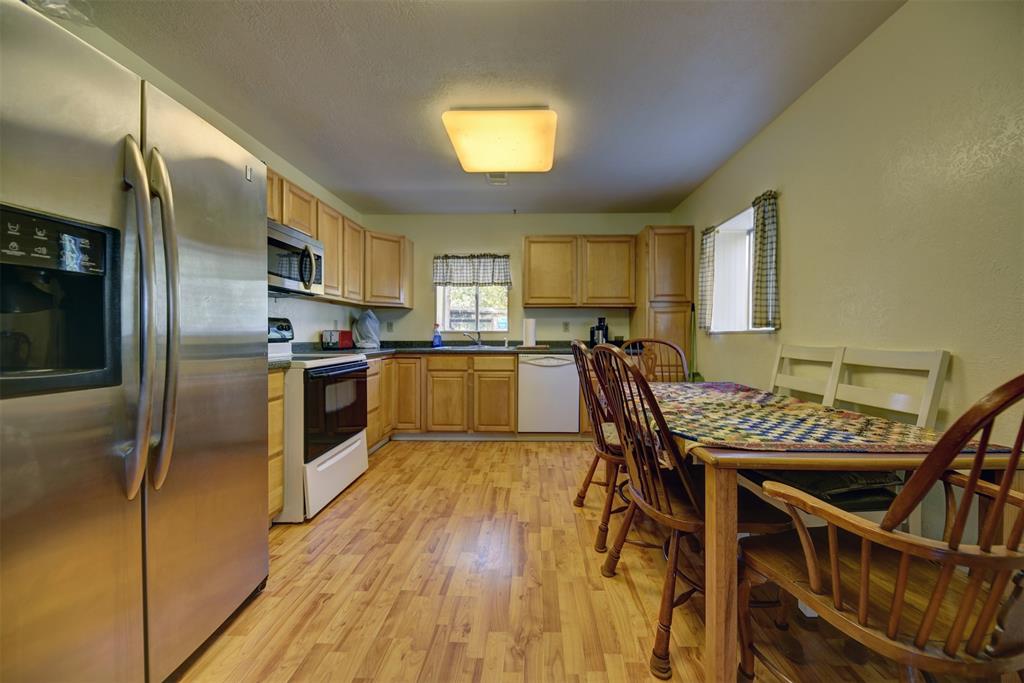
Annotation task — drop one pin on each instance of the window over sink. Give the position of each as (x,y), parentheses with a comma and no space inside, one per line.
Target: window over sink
(472,308)
(472,292)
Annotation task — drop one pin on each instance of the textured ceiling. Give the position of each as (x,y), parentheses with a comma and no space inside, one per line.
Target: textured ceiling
(651,96)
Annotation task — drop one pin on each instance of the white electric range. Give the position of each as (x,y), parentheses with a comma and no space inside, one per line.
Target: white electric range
(325,446)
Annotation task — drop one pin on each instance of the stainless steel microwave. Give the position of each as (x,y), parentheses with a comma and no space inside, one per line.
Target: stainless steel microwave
(295,261)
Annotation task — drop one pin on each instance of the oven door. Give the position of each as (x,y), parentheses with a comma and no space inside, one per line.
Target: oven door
(335,406)
(295,261)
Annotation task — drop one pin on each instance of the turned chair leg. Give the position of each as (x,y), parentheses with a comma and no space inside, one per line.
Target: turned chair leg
(611,476)
(660,665)
(612,560)
(582,495)
(746,632)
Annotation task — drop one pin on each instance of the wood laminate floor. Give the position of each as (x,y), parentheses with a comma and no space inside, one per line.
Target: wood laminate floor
(452,561)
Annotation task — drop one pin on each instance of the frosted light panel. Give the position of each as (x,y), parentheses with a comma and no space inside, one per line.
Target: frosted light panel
(509,140)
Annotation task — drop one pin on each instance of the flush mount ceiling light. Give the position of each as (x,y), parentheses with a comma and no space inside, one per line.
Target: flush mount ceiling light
(502,140)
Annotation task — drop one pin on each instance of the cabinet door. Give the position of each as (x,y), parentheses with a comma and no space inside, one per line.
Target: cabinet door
(328,227)
(606,270)
(670,322)
(549,271)
(384,268)
(447,401)
(494,401)
(274,198)
(299,209)
(352,261)
(407,273)
(374,428)
(670,277)
(275,442)
(388,396)
(407,396)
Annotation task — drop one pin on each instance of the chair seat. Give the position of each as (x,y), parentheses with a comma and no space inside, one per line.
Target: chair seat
(611,434)
(754,515)
(780,559)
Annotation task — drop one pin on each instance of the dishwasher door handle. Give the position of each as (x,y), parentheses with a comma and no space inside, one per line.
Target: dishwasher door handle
(547,361)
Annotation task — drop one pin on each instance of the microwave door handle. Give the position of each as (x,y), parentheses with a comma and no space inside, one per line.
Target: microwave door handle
(135,179)
(308,253)
(160,187)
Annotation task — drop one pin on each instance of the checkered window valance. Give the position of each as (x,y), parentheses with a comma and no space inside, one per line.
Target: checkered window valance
(462,270)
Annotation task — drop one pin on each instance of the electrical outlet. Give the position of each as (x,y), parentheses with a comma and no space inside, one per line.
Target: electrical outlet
(565,326)
(389,326)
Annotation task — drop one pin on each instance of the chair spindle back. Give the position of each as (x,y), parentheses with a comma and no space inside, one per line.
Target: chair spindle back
(597,409)
(644,435)
(659,360)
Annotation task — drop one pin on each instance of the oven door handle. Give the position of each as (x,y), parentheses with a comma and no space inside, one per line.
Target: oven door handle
(135,179)
(337,371)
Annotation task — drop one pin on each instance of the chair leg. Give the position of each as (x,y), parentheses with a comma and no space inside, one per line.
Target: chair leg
(660,664)
(785,608)
(746,632)
(612,560)
(611,476)
(582,495)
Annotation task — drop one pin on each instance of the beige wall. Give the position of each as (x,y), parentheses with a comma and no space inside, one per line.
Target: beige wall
(503,234)
(901,201)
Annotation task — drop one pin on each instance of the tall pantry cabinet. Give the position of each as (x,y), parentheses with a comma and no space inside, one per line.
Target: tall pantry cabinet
(664,285)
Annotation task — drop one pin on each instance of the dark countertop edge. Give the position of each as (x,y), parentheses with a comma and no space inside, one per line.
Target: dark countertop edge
(278,364)
(426,350)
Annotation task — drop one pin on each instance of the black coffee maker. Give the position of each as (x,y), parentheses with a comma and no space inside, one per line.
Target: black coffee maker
(599,333)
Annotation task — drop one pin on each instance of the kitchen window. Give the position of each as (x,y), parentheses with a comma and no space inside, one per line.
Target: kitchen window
(472,292)
(731,307)
(472,308)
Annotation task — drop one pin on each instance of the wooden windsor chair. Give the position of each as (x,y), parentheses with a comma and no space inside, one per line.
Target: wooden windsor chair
(606,444)
(659,360)
(931,606)
(663,486)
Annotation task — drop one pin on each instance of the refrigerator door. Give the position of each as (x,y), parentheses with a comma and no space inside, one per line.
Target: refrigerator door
(206,496)
(71,607)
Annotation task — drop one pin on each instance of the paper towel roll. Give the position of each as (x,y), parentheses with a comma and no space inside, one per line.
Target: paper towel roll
(529,331)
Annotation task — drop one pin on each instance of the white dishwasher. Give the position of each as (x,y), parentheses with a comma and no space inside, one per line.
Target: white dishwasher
(549,393)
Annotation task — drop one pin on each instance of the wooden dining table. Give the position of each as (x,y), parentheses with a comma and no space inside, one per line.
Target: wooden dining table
(729,427)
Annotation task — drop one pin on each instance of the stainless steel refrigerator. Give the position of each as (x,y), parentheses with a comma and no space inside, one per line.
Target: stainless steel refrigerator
(133,423)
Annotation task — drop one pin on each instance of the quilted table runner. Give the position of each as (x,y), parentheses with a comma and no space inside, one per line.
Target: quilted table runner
(727,415)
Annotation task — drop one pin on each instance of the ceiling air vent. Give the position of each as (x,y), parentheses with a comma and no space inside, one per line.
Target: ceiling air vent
(496,179)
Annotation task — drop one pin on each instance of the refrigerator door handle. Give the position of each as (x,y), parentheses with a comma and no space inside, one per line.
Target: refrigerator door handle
(160,187)
(136,180)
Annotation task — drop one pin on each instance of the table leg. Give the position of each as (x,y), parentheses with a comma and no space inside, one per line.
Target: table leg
(720,580)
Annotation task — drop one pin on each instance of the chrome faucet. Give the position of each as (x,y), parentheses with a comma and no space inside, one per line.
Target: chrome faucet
(478,338)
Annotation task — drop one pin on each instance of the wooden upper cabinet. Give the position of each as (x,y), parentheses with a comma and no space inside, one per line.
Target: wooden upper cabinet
(549,271)
(274,196)
(384,268)
(329,225)
(352,261)
(606,270)
(298,208)
(670,263)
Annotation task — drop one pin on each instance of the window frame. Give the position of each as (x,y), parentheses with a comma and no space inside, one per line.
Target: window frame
(441,308)
(748,251)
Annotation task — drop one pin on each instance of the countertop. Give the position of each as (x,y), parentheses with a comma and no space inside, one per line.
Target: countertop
(559,348)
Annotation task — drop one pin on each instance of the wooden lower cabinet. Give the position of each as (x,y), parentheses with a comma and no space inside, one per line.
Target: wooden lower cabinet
(585,427)
(447,400)
(275,442)
(494,401)
(374,423)
(408,416)
(389,396)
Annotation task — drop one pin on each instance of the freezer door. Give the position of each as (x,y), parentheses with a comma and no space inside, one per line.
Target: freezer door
(70,539)
(206,496)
